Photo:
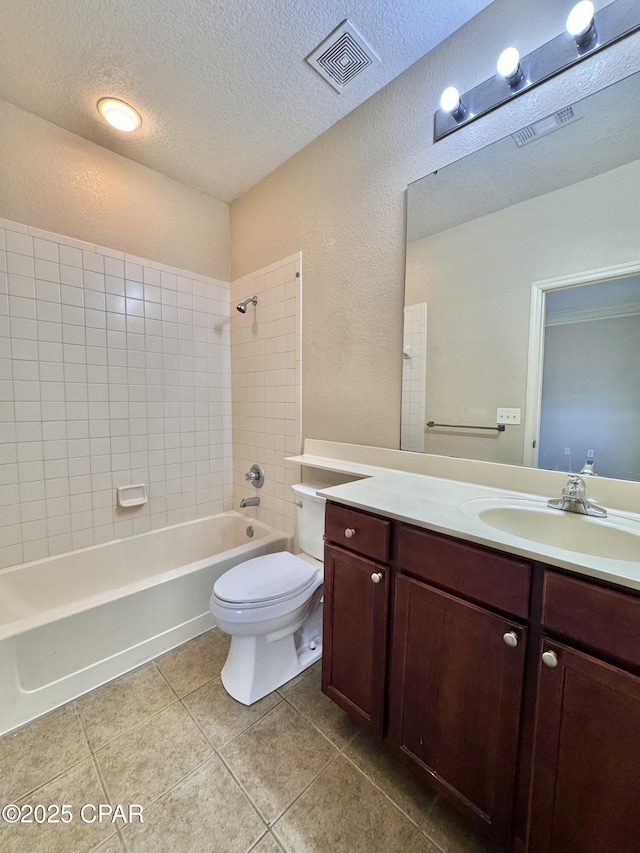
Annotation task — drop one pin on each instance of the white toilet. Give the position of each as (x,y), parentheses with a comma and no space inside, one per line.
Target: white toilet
(271,606)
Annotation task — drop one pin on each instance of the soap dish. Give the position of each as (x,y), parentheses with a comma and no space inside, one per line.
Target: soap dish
(135,495)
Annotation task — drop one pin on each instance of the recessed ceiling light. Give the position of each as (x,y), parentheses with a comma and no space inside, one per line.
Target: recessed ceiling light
(119,115)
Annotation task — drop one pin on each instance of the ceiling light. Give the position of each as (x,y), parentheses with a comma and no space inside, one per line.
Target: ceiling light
(580,22)
(450,102)
(509,66)
(119,115)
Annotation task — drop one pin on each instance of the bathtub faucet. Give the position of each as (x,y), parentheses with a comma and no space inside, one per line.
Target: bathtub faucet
(249,502)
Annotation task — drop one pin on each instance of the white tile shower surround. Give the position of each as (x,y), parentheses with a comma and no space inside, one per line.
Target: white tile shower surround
(113,370)
(266,376)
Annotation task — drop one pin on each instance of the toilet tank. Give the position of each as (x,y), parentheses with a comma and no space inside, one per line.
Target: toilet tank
(310,518)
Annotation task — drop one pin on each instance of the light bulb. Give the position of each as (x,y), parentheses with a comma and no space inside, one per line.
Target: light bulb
(450,100)
(119,115)
(509,65)
(580,22)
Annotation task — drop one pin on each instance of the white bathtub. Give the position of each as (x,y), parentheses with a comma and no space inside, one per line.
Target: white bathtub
(72,622)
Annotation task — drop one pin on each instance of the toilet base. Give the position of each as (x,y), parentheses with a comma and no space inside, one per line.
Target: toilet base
(256,666)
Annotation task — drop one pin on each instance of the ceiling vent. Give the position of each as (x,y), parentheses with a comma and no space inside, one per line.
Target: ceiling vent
(342,56)
(546,125)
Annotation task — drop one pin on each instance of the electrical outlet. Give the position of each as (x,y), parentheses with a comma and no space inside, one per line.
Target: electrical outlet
(508,416)
(567,451)
(590,453)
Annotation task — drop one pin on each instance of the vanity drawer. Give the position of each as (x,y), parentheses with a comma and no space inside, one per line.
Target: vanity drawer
(478,573)
(604,619)
(370,535)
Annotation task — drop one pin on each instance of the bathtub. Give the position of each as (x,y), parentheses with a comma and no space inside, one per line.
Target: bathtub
(72,622)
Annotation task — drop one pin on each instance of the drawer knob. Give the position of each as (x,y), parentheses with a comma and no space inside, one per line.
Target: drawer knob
(550,659)
(349,532)
(376,577)
(511,639)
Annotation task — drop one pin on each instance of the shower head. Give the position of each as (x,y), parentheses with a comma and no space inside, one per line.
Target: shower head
(242,306)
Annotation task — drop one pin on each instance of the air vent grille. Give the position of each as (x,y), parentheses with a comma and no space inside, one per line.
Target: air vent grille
(342,56)
(546,125)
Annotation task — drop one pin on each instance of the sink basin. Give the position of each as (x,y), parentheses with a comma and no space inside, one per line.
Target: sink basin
(616,537)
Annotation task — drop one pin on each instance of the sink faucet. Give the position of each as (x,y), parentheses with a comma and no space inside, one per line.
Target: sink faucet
(574,499)
(249,502)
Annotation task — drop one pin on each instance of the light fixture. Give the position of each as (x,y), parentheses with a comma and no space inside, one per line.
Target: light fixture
(592,32)
(450,102)
(509,66)
(580,23)
(119,115)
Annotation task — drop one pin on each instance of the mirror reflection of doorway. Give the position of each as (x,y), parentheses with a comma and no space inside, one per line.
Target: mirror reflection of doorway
(589,418)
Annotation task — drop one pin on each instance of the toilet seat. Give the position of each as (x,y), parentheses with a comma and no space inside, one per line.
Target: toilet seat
(265,580)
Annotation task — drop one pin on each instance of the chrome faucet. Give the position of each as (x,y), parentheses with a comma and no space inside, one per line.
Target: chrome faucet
(574,499)
(249,502)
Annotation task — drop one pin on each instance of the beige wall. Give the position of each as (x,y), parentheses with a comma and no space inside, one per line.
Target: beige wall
(341,201)
(478,304)
(57,181)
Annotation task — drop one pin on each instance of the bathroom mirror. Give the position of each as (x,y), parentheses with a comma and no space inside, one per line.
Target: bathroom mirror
(530,222)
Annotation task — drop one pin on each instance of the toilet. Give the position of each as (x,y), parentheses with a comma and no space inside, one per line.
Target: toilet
(272,608)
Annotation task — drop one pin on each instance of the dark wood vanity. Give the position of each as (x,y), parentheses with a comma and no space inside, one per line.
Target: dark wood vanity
(513,688)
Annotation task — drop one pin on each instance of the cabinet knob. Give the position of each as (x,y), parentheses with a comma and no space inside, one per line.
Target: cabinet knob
(349,532)
(550,659)
(376,577)
(511,639)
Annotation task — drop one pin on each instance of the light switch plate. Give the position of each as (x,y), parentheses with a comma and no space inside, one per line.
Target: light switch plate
(508,416)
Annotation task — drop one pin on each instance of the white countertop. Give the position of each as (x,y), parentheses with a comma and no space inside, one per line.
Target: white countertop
(435,504)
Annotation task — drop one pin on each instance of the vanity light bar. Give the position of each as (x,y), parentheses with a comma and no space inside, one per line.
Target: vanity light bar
(586,33)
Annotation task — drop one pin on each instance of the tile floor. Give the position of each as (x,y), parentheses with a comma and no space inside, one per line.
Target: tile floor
(290,773)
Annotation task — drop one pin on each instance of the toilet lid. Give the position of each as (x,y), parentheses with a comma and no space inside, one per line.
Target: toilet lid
(265,578)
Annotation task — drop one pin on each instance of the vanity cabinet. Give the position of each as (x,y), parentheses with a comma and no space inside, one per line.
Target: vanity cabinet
(511,687)
(457,670)
(356,608)
(585,790)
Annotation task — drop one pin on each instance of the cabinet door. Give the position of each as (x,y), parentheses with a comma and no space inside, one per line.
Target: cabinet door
(356,596)
(455,696)
(586,788)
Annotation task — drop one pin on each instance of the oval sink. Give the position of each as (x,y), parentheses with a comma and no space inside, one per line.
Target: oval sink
(616,537)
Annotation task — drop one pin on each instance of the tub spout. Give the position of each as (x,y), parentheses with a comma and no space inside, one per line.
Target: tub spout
(249,502)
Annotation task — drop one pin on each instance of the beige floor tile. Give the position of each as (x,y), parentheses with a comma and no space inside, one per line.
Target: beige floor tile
(112,845)
(143,764)
(332,721)
(277,757)
(342,812)
(295,682)
(267,844)
(111,710)
(450,831)
(75,787)
(392,775)
(205,813)
(220,717)
(193,664)
(32,755)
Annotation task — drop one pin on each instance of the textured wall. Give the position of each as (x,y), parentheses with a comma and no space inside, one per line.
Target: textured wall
(341,201)
(58,181)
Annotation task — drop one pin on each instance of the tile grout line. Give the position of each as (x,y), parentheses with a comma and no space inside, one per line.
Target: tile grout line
(318,729)
(98,770)
(304,790)
(396,805)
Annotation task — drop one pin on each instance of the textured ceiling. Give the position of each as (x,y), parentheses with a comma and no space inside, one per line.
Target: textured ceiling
(223,88)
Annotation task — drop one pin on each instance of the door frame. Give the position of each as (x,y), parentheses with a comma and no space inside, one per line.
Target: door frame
(535,358)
